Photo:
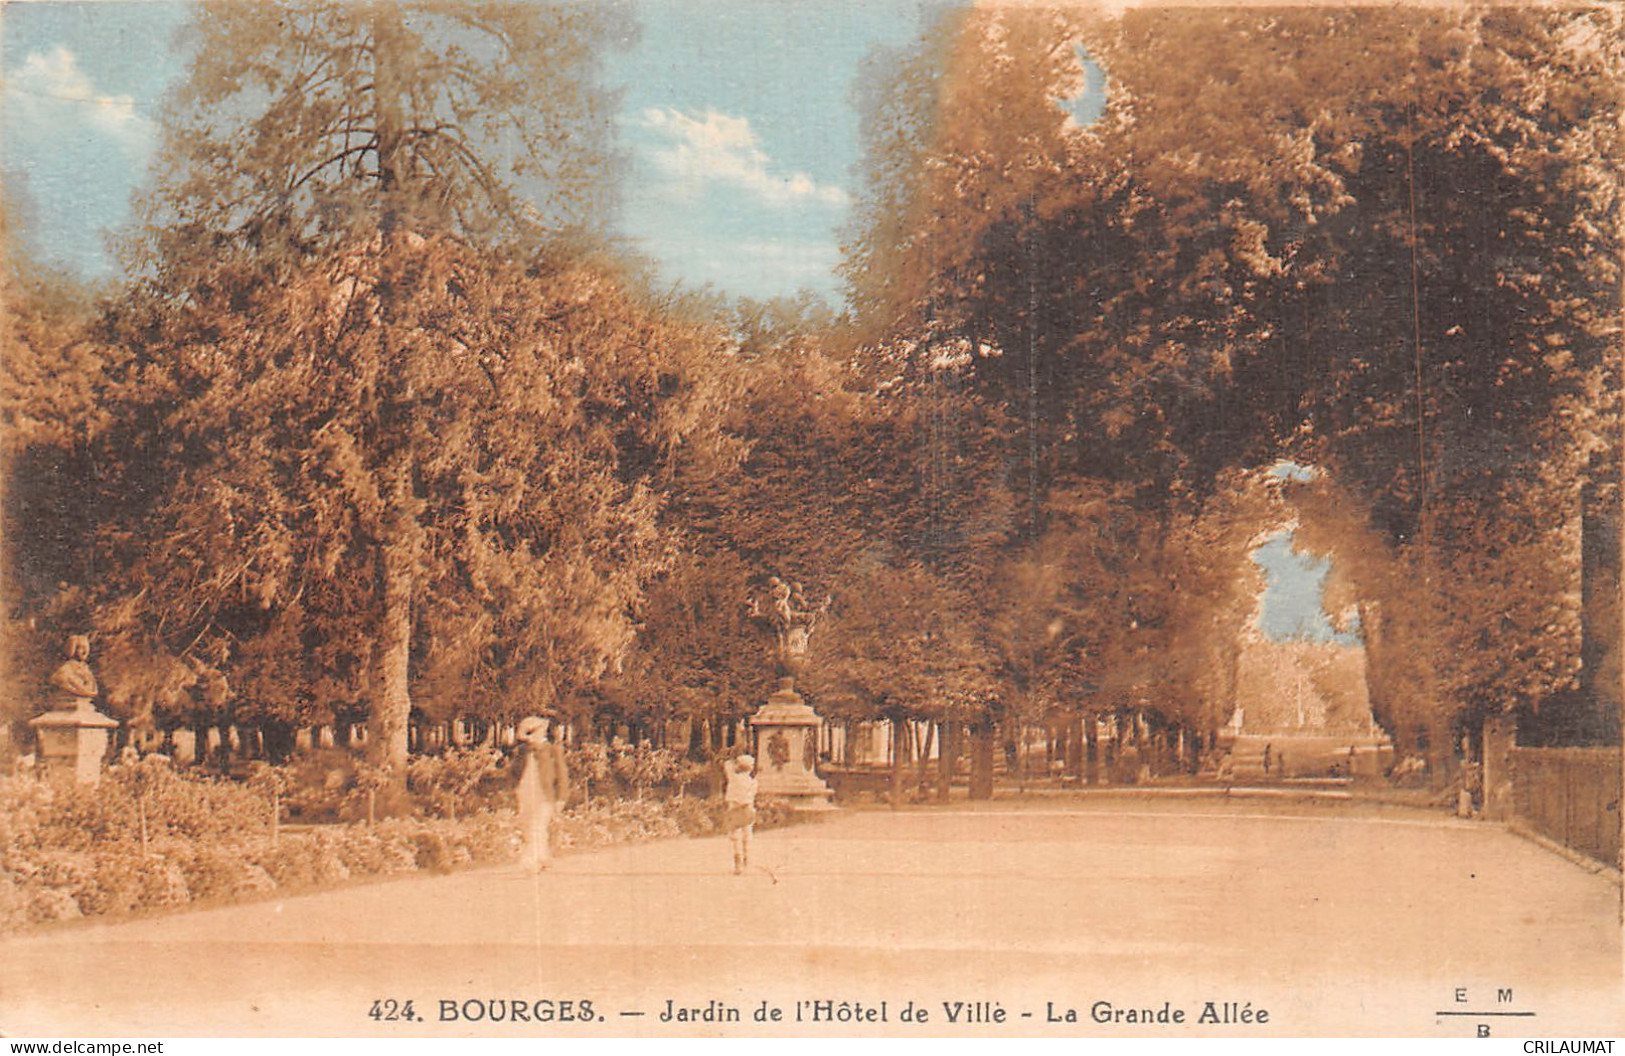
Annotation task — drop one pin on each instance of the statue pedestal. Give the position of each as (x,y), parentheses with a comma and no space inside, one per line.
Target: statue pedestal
(73,739)
(787,750)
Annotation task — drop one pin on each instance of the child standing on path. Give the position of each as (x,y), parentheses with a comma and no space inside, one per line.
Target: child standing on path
(740,816)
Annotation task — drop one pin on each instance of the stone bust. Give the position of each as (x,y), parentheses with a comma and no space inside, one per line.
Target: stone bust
(74,678)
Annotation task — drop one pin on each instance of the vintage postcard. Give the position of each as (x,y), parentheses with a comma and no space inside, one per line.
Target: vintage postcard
(908,518)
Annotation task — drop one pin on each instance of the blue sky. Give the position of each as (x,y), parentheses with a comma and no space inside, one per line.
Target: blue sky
(82,84)
(737,117)
(743,135)
(1293,605)
(1293,602)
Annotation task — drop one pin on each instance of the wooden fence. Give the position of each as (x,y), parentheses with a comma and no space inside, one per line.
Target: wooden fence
(1570,796)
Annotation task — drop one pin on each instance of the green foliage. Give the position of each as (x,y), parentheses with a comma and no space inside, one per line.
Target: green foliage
(642,766)
(55,373)
(697,653)
(68,851)
(376,436)
(300,124)
(1392,250)
(592,765)
(443,782)
(604,770)
(175,803)
(902,641)
(535,411)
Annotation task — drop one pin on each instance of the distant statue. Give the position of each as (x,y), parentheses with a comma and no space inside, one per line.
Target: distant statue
(790,615)
(784,612)
(74,678)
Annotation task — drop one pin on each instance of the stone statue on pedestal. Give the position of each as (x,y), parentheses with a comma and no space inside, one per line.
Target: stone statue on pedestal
(73,736)
(786,728)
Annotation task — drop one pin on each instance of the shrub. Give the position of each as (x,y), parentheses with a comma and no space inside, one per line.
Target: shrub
(115,883)
(777,813)
(218,871)
(14,905)
(306,861)
(69,850)
(432,852)
(492,837)
(51,904)
(697,817)
(318,785)
(590,765)
(451,781)
(149,791)
(73,872)
(394,843)
(604,822)
(642,766)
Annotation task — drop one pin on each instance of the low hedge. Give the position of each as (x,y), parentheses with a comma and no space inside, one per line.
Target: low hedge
(147,838)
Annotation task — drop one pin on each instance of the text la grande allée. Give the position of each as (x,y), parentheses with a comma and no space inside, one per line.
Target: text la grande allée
(965,1013)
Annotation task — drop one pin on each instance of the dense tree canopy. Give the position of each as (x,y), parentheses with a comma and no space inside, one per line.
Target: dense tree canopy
(539,406)
(385,427)
(1391,250)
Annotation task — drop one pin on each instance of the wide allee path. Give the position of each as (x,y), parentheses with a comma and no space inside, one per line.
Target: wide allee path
(1337,919)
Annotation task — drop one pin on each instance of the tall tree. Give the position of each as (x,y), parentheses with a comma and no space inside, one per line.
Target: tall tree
(305,124)
(392,392)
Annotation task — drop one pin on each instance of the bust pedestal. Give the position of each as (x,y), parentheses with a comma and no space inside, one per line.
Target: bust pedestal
(73,740)
(787,750)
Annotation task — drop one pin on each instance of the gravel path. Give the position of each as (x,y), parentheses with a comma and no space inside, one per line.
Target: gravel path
(1338,919)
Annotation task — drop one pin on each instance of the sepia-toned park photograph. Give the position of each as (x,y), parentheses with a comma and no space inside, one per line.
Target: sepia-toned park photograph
(578,519)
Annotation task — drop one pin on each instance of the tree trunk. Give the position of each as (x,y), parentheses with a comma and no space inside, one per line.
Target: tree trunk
(923,775)
(1015,753)
(392,708)
(386,735)
(947,748)
(981,761)
(1091,732)
(277,739)
(388,93)
(1441,750)
(899,749)
(1074,749)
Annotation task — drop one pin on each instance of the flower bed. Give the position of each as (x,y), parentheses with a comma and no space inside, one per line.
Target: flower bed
(149,837)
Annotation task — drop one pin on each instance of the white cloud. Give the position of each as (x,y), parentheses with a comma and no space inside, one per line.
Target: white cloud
(50,95)
(715,148)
